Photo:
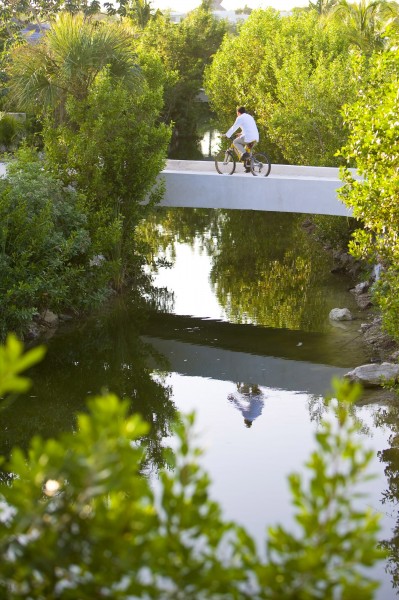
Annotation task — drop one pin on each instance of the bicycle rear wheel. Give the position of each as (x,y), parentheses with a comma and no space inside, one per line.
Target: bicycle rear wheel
(225,162)
(260,164)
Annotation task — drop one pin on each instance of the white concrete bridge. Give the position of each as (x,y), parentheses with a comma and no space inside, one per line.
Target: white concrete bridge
(294,189)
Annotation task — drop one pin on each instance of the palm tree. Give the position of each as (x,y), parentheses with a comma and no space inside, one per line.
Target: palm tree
(323,6)
(67,60)
(366,21)
(141,12)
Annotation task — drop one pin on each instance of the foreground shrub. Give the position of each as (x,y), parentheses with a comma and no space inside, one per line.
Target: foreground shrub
(44,246)
(81,521)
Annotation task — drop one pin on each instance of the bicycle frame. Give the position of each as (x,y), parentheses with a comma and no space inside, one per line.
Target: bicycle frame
(248,148)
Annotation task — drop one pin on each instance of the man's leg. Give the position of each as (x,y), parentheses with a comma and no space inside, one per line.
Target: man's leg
(240,145)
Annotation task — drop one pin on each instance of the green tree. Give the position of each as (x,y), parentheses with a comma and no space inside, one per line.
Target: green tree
(293,73)
(80,520)
(67,61)
(373,147)
(100,106)
(113,153)
(39,11)
(365,22)
(185,49)
(140,12)
(323,7)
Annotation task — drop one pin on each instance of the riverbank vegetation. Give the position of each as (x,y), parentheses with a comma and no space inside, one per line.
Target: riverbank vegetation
(322,85)
(108,95)
(80,519)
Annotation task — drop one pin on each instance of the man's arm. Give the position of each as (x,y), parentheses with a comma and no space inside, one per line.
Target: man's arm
(233,128)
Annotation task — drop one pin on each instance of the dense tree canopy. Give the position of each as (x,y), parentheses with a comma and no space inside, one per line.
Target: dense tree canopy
(185,49)
(293,73)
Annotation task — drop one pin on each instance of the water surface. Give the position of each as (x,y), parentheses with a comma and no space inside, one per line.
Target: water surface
(237,329)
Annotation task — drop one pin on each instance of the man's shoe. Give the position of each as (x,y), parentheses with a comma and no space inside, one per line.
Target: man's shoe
(244,156)
(247,170)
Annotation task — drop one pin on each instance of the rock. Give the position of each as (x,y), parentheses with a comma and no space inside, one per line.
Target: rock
(33,332)
(64,317)
(364,301)
(360,288)
(377,338)
(394,357)
(340,314)
(97,260)
(373,375)
(49,318)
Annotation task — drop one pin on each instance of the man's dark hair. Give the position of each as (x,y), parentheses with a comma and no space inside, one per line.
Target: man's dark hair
(241,110)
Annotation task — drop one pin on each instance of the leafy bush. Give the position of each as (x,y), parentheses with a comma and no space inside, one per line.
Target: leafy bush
(44,246)
(334,231)
(10,131)
(81,521)
(373,147)
(112,150)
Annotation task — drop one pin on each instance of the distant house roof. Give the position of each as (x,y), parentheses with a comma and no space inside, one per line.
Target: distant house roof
(34,31)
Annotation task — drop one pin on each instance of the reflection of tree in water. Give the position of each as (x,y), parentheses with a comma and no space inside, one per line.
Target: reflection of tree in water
(166,227)
(268,271)
(318,410)
(249,400)
(389,417)
(105,353)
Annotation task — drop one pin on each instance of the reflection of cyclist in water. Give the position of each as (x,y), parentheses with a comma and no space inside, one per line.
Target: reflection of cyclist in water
(248,400)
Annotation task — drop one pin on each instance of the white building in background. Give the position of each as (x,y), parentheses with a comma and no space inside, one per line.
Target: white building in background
(218,11)
(221,13)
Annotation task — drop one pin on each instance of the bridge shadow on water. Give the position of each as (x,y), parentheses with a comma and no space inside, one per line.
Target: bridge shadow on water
(281,358)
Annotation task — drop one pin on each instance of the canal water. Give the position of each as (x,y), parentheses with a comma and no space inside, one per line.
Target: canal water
(235,327)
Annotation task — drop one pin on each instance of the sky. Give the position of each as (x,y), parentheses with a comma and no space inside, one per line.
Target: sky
(186,5)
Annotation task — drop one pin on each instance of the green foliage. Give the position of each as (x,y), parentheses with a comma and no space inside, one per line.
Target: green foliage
(13,362)
(66,62)
(139,12)
(372,146)
(99,109)
(185,49)
(333,231)
(80,519)
(322,6)
(21,12)
(112,148)
(44,246)
(293,73)
(11,130)
(366,23)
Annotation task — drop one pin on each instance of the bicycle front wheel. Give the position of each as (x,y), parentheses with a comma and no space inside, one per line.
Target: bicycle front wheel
(260,164)
(225,162)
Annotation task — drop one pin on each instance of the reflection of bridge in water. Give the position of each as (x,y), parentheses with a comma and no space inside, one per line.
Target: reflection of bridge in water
(279,358)
(311,190)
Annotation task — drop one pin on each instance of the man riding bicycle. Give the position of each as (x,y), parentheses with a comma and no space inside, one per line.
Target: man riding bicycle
(249,133)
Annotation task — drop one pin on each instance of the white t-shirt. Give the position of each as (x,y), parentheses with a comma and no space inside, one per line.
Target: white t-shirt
(248,128)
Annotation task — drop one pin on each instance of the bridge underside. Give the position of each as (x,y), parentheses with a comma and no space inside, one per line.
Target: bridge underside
(294,189)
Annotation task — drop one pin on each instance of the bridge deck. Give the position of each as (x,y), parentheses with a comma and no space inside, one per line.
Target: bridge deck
(288,188)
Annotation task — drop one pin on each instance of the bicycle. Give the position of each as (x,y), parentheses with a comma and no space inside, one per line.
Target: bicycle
(258,162)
